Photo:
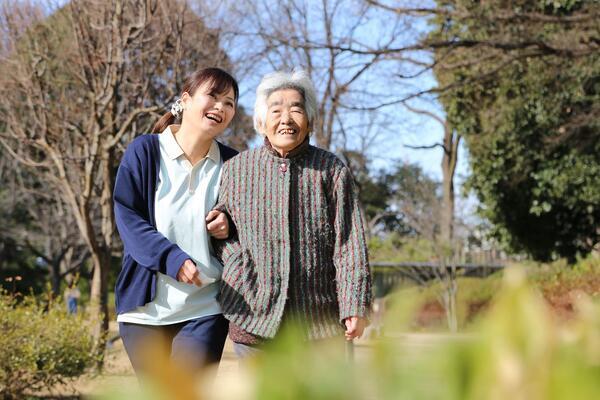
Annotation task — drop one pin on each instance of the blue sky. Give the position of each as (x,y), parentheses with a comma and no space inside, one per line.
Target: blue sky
(399,126)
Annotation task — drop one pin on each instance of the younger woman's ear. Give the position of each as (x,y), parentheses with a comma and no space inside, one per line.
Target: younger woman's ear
(185,98)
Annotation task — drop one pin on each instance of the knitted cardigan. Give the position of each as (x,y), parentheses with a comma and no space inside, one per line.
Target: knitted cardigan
(300,247)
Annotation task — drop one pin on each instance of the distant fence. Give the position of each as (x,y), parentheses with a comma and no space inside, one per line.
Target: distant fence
(388,275)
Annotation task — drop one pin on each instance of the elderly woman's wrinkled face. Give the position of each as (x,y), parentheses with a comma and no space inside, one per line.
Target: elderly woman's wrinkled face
(286,125)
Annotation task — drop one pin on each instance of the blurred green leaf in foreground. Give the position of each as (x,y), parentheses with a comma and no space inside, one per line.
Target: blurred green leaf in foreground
(517,351)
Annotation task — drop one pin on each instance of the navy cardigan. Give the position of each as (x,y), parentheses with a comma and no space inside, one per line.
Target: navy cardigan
(145,249)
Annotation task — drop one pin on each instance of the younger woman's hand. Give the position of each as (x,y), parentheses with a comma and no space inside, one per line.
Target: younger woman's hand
(217,224)
(188,273)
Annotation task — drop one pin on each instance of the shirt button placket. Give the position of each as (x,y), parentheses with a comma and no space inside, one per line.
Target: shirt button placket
(191,181)
(284,166)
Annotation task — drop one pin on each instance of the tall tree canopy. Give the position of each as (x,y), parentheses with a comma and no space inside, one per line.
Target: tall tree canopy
(530,114)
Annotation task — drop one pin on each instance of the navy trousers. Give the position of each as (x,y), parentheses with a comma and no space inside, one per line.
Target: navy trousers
(194,344)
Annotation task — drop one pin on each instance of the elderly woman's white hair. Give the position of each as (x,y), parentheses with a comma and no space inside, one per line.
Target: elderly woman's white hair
(298,80)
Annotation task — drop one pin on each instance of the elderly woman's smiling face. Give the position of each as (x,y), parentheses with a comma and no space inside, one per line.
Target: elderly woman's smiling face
(286,124)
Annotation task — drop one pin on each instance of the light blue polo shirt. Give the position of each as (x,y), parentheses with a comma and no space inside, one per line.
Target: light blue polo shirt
(184,195)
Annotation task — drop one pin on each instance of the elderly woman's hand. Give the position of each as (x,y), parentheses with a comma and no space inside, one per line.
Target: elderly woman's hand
(217,224)
(355,327)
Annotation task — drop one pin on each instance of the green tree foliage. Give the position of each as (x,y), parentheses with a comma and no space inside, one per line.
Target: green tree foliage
(527,99)
(399,200)
(386,198)
(415,197)
(375,194)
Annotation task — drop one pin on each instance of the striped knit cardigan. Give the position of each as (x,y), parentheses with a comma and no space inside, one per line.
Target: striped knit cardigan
(300,249)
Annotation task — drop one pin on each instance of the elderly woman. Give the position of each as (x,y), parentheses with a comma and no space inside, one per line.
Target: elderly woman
(300,255)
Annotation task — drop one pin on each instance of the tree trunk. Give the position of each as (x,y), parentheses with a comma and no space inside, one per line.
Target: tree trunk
(100,254)
(450,308)
(98,308)
(53,267)
(102,260)
(55,277)
(451,289)
(449,161)
(447,278)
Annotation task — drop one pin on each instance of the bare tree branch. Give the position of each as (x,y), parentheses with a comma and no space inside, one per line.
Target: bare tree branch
(427,147)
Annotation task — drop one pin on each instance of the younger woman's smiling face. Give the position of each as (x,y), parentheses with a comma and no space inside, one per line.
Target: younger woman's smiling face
(208,111)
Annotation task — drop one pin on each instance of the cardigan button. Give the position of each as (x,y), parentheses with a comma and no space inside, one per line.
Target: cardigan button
(283,167)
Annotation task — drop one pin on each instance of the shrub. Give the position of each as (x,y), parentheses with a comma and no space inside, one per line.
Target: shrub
(396,248)
(41,346)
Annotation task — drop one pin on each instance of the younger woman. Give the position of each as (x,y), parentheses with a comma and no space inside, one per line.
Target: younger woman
(166,187)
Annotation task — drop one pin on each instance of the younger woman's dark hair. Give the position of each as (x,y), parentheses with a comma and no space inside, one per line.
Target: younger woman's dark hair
(220,82)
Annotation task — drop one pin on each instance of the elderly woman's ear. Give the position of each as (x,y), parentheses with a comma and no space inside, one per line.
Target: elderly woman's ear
(260,127)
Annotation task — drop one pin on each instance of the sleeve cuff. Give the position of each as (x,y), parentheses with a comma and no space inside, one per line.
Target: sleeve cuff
(174,262)
(232,228)
(361,311)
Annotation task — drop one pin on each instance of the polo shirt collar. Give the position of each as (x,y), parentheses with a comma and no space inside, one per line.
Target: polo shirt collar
(172,148)
(174,151)
(213,152)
